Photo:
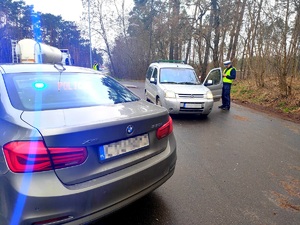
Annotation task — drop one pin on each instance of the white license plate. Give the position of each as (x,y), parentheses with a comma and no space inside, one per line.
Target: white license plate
(122,147)
(192,105)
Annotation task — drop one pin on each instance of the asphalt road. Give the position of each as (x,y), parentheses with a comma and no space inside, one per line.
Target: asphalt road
(236,167)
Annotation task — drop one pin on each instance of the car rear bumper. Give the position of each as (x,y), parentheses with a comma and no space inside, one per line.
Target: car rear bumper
(82,203)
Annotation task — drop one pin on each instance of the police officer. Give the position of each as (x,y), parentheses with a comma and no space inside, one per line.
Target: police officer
(96,66)
(229,75)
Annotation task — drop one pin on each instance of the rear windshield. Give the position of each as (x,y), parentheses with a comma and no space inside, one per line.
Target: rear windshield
(45,91)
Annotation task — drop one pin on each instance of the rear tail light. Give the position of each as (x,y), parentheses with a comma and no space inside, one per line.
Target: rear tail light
(33,156)
(165,129)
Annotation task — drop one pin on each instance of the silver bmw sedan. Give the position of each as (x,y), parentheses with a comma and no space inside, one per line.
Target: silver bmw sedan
(76,145)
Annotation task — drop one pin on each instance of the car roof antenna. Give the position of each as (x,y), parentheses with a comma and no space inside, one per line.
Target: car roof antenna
(60,67)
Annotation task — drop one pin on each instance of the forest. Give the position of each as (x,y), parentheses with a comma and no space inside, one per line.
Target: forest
(260,37)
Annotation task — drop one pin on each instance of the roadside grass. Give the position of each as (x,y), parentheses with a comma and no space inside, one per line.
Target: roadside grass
(268,96)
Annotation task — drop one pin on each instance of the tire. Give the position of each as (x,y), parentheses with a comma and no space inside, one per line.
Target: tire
(158,102)
(146,97)
(204,116)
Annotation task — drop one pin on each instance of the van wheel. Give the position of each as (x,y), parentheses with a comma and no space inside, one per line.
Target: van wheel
(146,97)
(203,116)
(158,102)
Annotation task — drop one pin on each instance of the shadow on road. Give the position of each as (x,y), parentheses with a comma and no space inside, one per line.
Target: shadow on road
(145,211)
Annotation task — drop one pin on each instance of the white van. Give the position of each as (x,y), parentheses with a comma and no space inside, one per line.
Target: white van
(177,87)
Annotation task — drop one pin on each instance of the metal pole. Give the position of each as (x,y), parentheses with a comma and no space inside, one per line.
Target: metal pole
(91,57)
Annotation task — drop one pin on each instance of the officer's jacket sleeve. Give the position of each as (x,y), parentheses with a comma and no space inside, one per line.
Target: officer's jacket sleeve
(232,75)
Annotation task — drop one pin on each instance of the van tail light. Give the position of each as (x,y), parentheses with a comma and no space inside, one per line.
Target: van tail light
(33,156)
(165,129)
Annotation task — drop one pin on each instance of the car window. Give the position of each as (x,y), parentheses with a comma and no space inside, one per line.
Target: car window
(149,73)
(178,75)
(154,75)
(215,77)
(43,91)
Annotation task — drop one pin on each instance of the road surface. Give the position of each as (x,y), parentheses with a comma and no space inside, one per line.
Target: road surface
(236,167)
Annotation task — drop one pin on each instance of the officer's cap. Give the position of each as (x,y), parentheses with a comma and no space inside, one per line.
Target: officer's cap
(226,63)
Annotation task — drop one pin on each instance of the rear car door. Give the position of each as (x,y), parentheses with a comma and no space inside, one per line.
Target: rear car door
(214,82)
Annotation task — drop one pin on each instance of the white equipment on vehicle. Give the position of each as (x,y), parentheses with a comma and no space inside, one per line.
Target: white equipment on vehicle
(31,51)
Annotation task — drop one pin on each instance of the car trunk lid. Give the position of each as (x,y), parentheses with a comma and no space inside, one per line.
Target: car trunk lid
(95,127)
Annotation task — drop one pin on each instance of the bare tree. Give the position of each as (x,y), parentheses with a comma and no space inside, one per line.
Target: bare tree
(174,10)
(285,29)
(202,37)
(254,15)
(239,22)
(216,27)
(262,37)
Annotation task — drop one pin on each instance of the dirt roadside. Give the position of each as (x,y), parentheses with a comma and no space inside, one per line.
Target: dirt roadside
(293,117)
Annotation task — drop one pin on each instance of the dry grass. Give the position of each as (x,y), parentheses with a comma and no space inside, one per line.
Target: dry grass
(268,98)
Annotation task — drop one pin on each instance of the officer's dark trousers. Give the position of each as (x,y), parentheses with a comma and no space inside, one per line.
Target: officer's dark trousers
(226,95)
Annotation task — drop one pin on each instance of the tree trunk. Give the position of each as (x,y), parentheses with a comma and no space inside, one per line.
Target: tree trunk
(238,29)
(174,7)
(216,25)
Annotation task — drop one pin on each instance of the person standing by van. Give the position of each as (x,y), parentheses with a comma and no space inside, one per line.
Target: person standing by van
(229,74)
(96,65)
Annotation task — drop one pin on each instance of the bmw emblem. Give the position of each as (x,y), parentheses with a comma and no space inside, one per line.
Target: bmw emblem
(129,129)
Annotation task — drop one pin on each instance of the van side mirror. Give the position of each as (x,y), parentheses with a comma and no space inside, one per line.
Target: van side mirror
(153,80)
(208,83)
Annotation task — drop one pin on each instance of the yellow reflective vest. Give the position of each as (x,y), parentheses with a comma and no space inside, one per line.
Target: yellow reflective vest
(95,66)
(225,79)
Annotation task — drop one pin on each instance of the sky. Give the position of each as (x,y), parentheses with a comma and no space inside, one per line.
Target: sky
(69,10)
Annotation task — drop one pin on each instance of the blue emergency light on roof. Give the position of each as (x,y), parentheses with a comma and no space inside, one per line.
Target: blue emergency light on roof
(39,85)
